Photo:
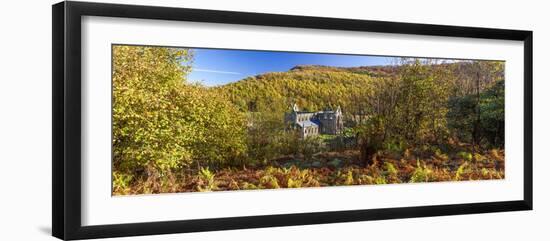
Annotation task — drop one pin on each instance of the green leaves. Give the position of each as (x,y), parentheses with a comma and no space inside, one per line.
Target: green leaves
(463,115)
(161,122)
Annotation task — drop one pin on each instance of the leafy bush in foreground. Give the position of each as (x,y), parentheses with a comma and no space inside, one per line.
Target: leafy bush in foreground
(160,123)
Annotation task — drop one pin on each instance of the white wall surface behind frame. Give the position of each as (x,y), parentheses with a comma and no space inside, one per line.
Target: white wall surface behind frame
(25,126)
(100,208)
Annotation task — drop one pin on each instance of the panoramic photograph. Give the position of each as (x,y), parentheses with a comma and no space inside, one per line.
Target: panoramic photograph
(204,120)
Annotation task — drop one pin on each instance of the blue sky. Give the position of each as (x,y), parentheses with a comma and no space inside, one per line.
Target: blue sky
(215,67)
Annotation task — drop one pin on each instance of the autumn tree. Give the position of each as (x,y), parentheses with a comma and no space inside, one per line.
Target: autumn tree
(473,80)
(161,123)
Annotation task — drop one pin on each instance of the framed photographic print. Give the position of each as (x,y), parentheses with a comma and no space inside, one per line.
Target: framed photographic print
(169,120)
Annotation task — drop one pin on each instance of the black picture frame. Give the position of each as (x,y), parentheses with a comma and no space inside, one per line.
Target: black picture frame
(66,127)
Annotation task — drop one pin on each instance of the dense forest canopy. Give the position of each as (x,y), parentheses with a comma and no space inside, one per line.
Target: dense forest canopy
(164,126)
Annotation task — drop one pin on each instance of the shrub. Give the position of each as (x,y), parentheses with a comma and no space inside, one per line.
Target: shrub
(206,180)
(249,186)
(311,146)
(485,172)
(365,179)
(161,122)
(269,181)
(461,170)
(335,163)
(266,139)
(478,157)
(421,173)
(294,183)
(121,182)
(465,155)
(393,146)
(349,178)
(440,155)
(380,180)
(371,138)
(390,169)
(144,79)
(495,155)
